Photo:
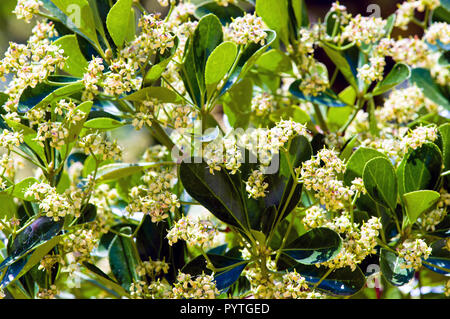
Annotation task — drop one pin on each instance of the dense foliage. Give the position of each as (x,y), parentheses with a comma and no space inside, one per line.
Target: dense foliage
(265,180)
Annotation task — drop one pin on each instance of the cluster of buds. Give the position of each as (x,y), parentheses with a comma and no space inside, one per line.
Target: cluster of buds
(262,104)
(255,186)
(96,144)
(9,140)
(419,136)
(80,244)
(49,293)
(320,174)
(195,233)
(154,197)
(26,9)
(93,78)
(152,268)
(200,287)
(364,30)
(294,286)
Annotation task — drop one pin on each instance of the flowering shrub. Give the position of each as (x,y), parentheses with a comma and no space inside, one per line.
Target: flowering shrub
(265,181)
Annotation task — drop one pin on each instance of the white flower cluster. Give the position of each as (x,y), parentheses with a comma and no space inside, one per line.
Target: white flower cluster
(200,287)
(246,29)
(93,78)
(9,139)
(323,180)
(26,9)
(51,203)
(98,145)
(419,136)
(223,151)
(358,241)
(294,286)
(402,105)
(438,31)
(255,186)
(413,251)
(315,79)
(262,104)
(154,197)
(31,63)
(364,30)
(195,233)
(429,220)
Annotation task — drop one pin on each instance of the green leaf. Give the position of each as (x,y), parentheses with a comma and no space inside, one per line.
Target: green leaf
(76,15)
(399,73)
(118,170)
(224,279)
(217,193)
(327,97)
(160,65)
(419,202)
(123,259)
(103,123)
(380,181)
(162,94)
(218,64)
(444,133)
(39,232)
(75,129)
(356,163)
(18,190)
(300,13)
(225,14)
(29,137)
(423,79)
(237,103)
(274,61)
(105,280)
(340,282)
(292,112)
(316,246)
(247,59)
(391,268)
(342,64)
(422,168)
(348,149)
(8,207)
(43,94)
(275,14)
(440,257)
(207,36)
(76,63)
(118,21)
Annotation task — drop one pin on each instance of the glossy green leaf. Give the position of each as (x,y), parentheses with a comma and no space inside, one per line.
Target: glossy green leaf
(19,189)
(327,97)
(8,206)
(316,246)
(225,14)
(118,170)
(104,279)
(391,268)
(162,94)
(444,133)
(44,94)
(215,192)
(380,181)
(103,123)
(399,73)
(419,202)
(123,259)
(357,162)
(422,78)
(76,15)
(274,60)
(76,64)
(439,257)
(118,21)
(275,15)
(207,36)
(342,64)
(422,168)
(218,64)
(247,59)
(224,279)
(38,233)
